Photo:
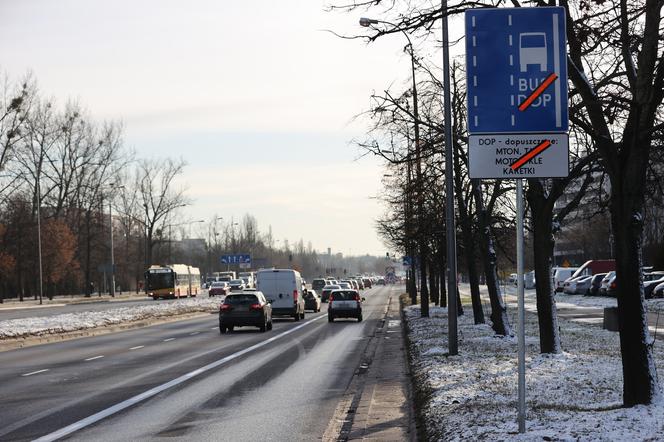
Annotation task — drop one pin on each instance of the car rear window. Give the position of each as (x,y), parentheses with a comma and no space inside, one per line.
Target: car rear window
(240,299)
(345,295)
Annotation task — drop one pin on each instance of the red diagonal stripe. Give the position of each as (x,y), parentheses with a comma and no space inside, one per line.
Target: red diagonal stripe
(530,155)
(537,92)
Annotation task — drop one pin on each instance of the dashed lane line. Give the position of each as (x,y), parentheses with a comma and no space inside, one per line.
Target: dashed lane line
(94,357)
(86,422)
(169,339)
(35,372)
(137,347)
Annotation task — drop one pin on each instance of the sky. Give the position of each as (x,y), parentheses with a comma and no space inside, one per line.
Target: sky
(255,95)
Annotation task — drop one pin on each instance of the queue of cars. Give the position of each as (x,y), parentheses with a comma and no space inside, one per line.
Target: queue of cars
(283,292)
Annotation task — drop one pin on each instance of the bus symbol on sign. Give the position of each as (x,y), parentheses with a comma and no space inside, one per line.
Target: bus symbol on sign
(532,50)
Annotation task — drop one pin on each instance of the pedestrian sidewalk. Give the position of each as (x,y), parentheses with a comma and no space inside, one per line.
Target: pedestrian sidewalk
(384,411)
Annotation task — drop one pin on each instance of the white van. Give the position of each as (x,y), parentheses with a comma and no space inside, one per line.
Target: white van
(560,274)
(283,289)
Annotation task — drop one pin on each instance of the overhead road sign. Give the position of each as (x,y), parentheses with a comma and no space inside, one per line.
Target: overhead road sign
(236,259)
(518,155)
(516,70)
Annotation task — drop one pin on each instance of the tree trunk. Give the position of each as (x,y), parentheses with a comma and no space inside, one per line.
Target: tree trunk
(441,279)
(639,373)
(543,243)
(88,258)
(433,286)
(411,286)
(459,304)
(424,291)
(499,320)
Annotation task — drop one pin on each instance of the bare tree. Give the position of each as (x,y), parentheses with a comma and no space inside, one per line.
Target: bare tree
(158,196)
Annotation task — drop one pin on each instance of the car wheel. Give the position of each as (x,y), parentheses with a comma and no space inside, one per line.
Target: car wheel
(359,318)
(230,328)
(222,329)
(330,318)
(296,316)
(269,325)
(302,315)
(263,327)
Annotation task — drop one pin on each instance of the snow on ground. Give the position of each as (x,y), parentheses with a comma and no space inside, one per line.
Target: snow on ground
(572,396)
(68,322)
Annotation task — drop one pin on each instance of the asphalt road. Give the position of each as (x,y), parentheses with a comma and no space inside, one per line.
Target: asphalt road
(31,312)
(185,381)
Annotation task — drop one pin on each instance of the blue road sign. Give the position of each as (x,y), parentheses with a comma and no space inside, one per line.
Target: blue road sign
(516,70)
(236,259)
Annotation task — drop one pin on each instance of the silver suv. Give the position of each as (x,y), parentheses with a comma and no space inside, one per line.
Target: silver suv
(344,304)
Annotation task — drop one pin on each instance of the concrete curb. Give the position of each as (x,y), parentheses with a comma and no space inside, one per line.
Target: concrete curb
(12,344)
(377,404)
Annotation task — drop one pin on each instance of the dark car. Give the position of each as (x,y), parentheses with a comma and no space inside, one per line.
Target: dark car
(345,304)
(595,284)
(367,283)
(245,308)
(325,294)
(237,284)
(312,301)
(219,288)
(380,281)
(318,284)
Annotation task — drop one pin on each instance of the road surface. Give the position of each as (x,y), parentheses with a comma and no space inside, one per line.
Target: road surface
(247,385)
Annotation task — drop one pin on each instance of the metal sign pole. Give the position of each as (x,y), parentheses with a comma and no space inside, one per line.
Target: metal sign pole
(452,308)
(520,281)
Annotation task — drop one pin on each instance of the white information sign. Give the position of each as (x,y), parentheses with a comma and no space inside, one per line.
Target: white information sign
(518,155)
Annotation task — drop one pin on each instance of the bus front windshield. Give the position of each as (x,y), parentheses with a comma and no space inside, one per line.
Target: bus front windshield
(161,280)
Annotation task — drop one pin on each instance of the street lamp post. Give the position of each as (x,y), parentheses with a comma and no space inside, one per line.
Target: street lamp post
(110,222)
(367,22)
(39,244)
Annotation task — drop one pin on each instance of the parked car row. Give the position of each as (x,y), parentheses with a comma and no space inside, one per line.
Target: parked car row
(606,284)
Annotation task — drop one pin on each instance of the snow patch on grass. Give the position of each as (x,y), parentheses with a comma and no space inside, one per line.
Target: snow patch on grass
(575,395)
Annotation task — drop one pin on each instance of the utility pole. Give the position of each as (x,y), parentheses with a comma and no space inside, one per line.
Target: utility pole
(453,343)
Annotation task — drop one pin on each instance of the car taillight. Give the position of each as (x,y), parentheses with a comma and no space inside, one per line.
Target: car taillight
(357,296)
(613,285)
(255,307)
(226,307)
(331,298)
(295,295)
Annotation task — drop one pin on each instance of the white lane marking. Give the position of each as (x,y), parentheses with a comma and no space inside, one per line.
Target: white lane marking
(474,41)
(473,20)
(169,339)
(214,328)
(58,434)
(476,121)
(511,80)
(94,357)
(509,19)
(474,61)
(475,80)
(512,100)
(510,40)
(194,333)
(511,60)
(137,347)
(35,372)
(513,122)
(475,100)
